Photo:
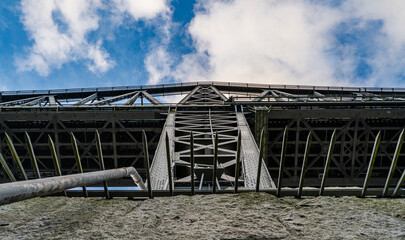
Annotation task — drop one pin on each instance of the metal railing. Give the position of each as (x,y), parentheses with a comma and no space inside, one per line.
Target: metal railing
(16,191)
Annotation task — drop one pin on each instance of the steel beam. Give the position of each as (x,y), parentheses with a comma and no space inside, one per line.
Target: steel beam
(151,99)
(78,160)
(146,159)
(304,164)
(32,155)
(237,168)
(159,166)
(7,169)
(132,99)
(394,162)
(371,164)
(15,157)
(101,162)
(113,99)
(282,160)
(86,100)
(187,98)
(327,163)
(250,157)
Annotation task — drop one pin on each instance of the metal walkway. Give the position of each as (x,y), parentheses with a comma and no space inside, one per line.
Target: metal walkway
(203,126)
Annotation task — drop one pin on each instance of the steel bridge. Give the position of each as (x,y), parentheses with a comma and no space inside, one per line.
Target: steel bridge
(207,114)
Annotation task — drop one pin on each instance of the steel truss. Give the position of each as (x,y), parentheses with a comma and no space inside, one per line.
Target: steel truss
(120,114)
(203,126)
(120,134)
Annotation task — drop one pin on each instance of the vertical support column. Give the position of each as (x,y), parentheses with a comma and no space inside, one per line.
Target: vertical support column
(146,158)
(296,147)
(169,164)
(354,151)
(78,160)
(192,162)
(399,184)
(259,168)
(327,164)
(261,123)
(101,162)
(32,155)
(237,168)
(114,138)
(371,164)
(215,164)
(15,157)
(7,169)
(394,162)
(304,164)
(282,159)
(56,134)
(55,159)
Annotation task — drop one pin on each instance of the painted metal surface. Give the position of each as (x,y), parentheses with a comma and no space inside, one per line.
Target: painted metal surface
(250,157)
(17,191)
(159,168)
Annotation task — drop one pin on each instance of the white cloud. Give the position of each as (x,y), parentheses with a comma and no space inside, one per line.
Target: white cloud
(142,9)
(388,64)
(292,42)
(59,30)
(158,64)
(261,41)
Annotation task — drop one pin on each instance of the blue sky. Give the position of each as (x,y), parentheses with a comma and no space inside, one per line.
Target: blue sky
(47,44)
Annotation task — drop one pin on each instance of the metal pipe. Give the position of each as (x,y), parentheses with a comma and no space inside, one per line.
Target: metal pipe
(192,162)
(138,180)
(394,163)
(78,161)
(7,169)
(237,169)
(259,167)
(282,159)
(101,162)
(18,191)
(214,177)
(304,164)
(15,157)
(371,164)
(328,160)
(169,164)
(32,155)
(146,158)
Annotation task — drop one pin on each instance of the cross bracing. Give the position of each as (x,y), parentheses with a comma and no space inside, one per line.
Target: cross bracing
(240,92)
(121,113)
(202,126)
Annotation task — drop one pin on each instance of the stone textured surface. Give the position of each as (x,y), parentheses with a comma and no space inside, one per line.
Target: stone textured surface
(240,216)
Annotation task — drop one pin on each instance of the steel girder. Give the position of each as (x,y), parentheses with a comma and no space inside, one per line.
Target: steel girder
(357,113)
(353,147)
(120,136)
(243,93)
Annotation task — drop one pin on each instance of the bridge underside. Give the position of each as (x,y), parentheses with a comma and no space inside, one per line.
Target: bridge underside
(357,114)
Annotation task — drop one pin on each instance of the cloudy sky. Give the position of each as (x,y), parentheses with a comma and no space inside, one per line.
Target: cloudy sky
(75,43)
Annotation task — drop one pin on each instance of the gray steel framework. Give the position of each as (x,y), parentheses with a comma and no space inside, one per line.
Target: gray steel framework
(205,125)
(120,114)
